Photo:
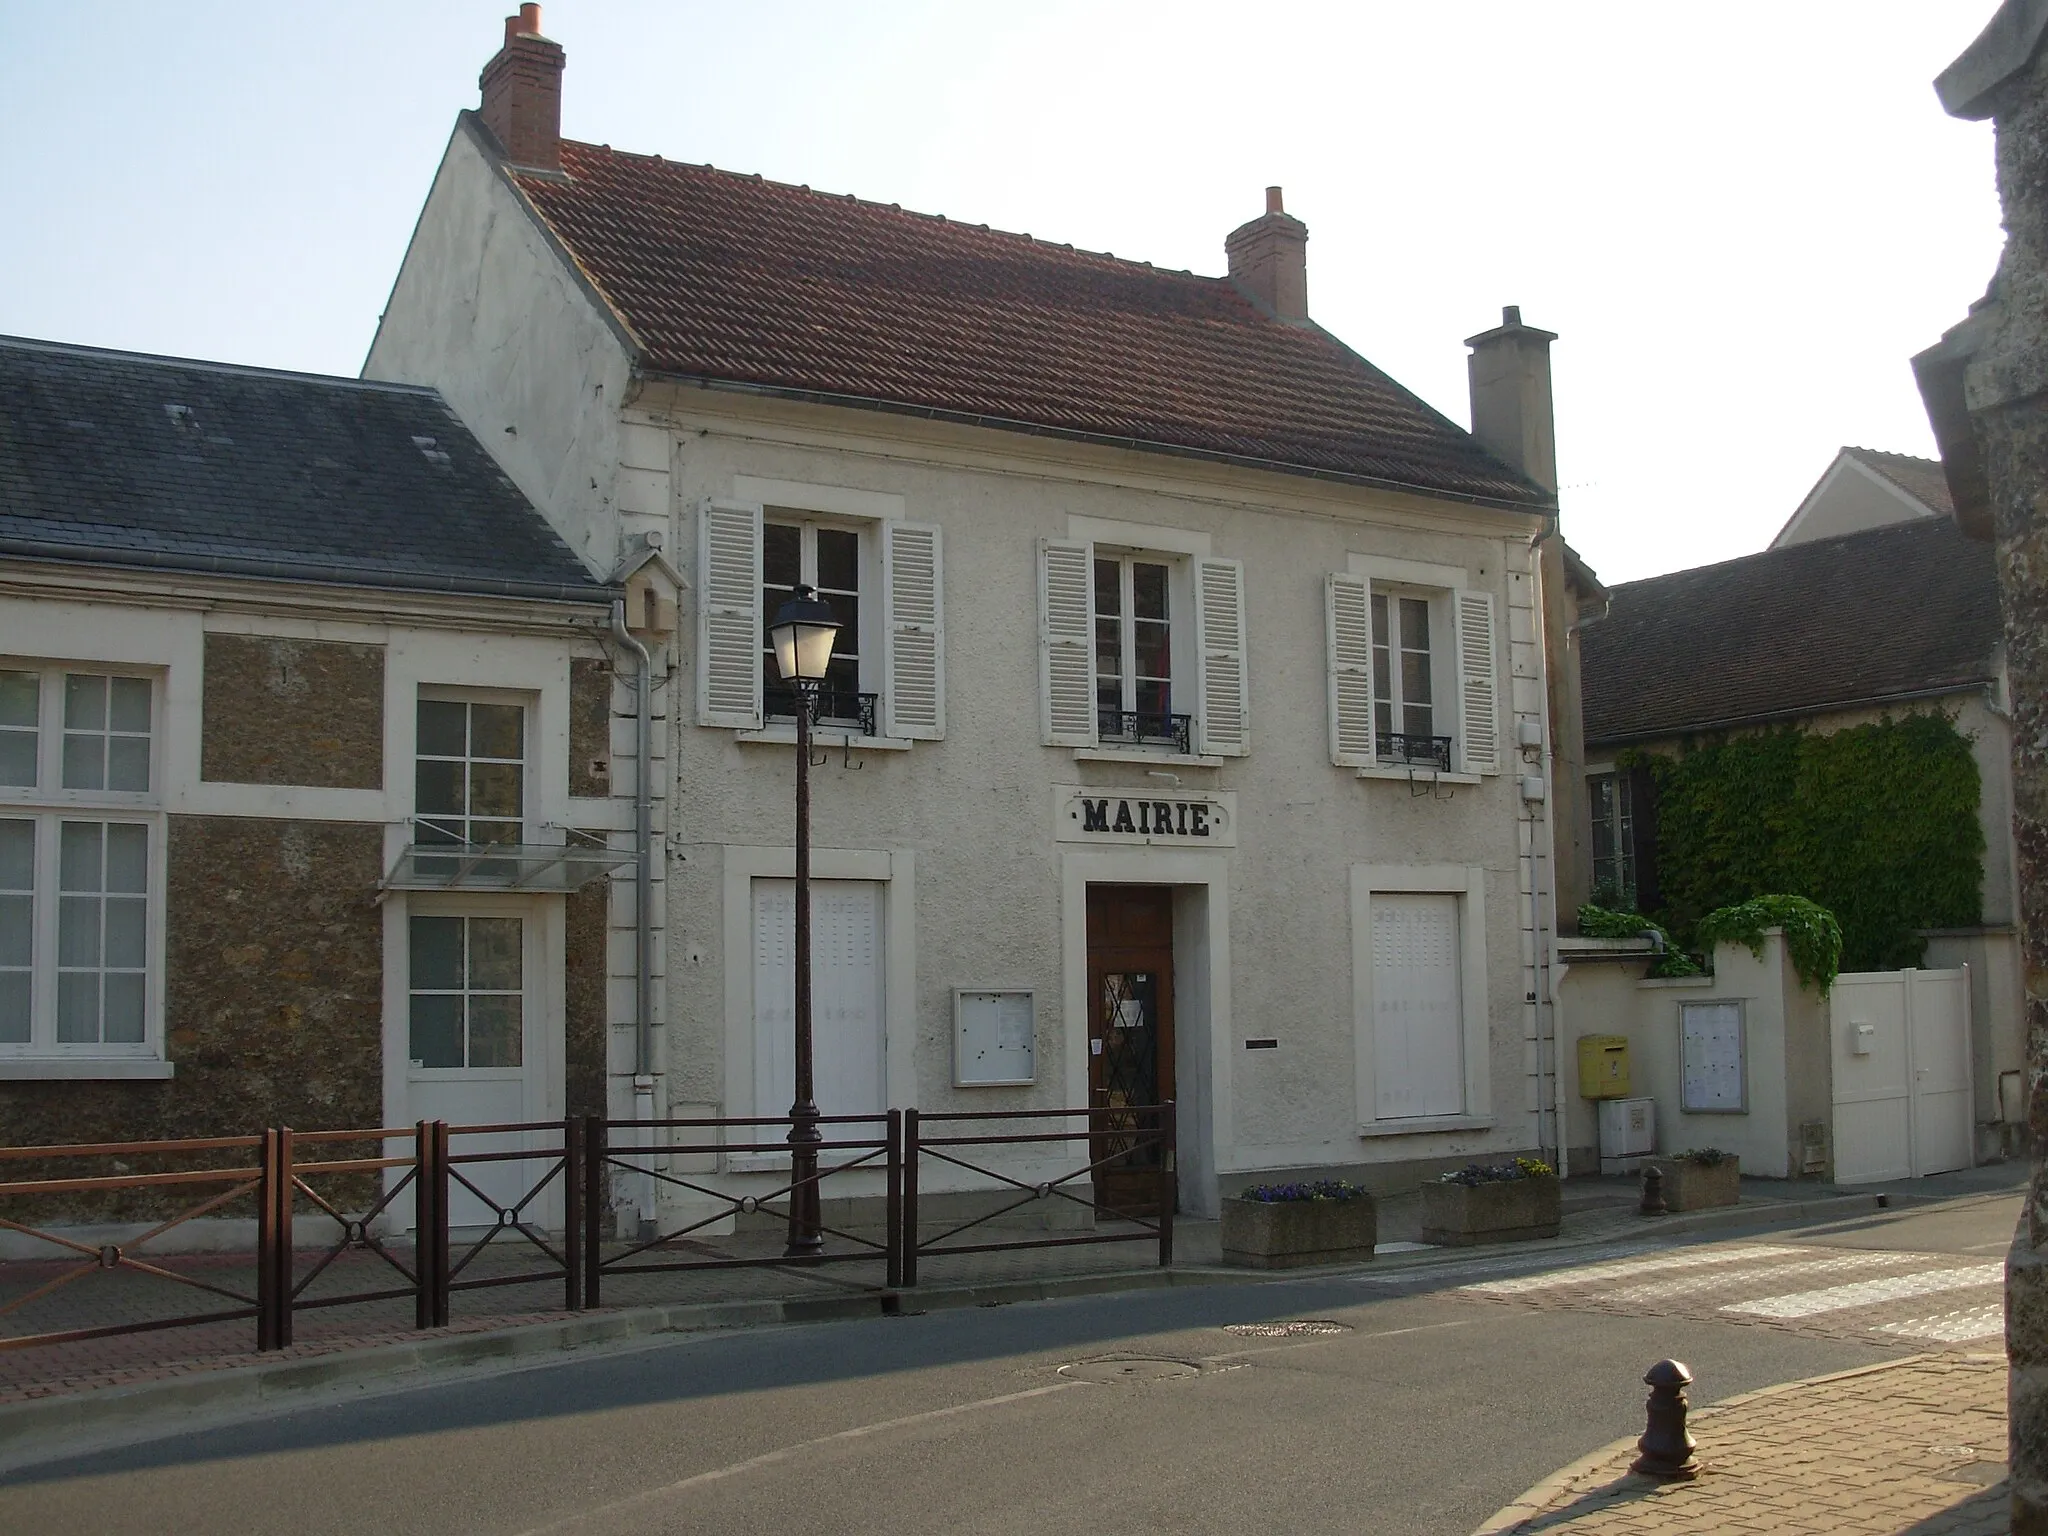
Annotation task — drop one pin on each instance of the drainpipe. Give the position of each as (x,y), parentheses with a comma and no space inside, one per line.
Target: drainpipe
(643,914)
(1543,893)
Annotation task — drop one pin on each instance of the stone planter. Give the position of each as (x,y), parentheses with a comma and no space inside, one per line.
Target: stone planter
(1695,1187)
(1506,1211)
(1287,1234)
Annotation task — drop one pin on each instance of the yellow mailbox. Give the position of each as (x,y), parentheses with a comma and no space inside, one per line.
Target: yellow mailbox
(1603,1066)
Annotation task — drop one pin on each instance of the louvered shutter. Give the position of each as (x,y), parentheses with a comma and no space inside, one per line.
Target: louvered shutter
(1478,702)
(729,633)
(1219,646)
(1066,642)
(1347,605)
(913,645)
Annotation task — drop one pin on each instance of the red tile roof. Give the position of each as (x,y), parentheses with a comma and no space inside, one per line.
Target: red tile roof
(733,279)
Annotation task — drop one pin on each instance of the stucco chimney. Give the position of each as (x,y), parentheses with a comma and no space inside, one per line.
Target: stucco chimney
(522,89)
(1269,261)
(1511,409)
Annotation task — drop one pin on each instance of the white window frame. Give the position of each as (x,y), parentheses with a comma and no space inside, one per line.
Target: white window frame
(868,569)
(1443,668)
(47,805)
(1441,586)
(1180,658)
(1623,843)
(1468,884)
(529,768)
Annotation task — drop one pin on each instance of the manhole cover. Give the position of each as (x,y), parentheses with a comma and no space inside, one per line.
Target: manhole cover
(1299,1328)
(1128,1371)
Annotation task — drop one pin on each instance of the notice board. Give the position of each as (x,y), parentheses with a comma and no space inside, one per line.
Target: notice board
(1713,1061)
(993,1036)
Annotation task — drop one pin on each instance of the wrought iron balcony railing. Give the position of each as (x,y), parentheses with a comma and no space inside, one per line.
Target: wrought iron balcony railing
(830,707)
(1142,728)
(1415,751)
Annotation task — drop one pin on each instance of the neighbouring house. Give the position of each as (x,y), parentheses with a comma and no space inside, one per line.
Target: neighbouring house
(1820,633)
(1185,737)
(1867,489)
(315,749)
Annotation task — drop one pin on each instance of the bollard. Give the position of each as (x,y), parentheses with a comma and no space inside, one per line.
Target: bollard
(1653,1192)
(1667,1448)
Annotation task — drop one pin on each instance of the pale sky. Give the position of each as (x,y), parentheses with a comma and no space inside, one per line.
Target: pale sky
(1742,219)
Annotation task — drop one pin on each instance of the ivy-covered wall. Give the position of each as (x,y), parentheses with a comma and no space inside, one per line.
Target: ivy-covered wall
(1877,822)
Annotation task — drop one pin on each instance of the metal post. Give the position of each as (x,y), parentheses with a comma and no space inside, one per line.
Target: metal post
(1666,1445)
(892,1212)
(424,1223)
(572,1214)
(282,1237)
(594,1155)
(1169,1182)
(909,1238)
(271,1281)
(805,1238)
(442,1216)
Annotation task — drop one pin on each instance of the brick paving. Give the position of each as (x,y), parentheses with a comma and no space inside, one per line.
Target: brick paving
(1915,1446)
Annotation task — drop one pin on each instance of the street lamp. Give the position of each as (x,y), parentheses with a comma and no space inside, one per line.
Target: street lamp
(803,630)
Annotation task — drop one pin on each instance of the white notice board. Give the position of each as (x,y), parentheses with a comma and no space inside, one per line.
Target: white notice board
(993,1033)
(1715,1075)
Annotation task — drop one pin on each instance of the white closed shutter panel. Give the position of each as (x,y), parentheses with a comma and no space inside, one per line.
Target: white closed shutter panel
(1347,602)
(846,997)
(1219,645)
(1478,699)
(913,645)
(1418,1026)
(729,633)
(1066,642)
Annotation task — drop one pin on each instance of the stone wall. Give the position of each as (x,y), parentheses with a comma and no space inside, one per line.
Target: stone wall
(281,711)
(584,999)
(590,727)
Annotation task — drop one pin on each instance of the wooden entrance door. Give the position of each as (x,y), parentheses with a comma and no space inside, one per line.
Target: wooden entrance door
(1130,1037)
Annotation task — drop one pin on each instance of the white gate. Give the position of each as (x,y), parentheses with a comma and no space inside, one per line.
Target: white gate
(1901,1049)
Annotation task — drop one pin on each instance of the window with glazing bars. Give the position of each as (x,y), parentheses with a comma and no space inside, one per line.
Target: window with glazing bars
(1403,685)
(470,774)
(828,559)
(1133,648)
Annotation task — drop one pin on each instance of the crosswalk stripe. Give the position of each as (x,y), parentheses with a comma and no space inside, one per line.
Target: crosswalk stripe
(1665,1290)
(1953,1327)
(1592,1273)
(1865,1293)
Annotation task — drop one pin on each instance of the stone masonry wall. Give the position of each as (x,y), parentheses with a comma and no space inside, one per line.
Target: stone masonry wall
(282,711)
(590,727)
(584,989)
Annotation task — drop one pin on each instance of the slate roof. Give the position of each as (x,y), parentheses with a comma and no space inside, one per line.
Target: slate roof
(117,458)
(1921,479)
(1883,614)
(729,278)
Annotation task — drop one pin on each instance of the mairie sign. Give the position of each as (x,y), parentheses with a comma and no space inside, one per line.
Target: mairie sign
(1086,814)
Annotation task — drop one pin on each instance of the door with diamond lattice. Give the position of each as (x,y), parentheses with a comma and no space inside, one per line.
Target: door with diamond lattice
(1130,1038)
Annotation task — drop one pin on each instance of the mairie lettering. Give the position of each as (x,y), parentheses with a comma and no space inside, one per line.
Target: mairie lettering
(1146,818)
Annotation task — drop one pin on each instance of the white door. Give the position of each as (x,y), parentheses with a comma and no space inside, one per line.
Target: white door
(1418,1028)
(846,998)
(1938,1015)
(476,1051)
(1901,1053)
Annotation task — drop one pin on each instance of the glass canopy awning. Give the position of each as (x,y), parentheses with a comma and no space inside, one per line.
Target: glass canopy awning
(540,867)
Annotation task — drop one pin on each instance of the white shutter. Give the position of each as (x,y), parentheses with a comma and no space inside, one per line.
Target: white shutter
(1347,602)
(914,640)
(1066,642)
(729,634)
(1219,646)
(1478,703)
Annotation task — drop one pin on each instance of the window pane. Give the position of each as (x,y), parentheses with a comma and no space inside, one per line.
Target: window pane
(124,1009)
(1382,675)
(1379,620)
(85,762)
(17,855)
(494,953)
(14,996)
(437,1029)
(78,931)
(128,709)
(1415,623)
(17,919)
(19,693)
(1109,588)
(782,558)
(78,856)
(494,789)
(78,1008)
(127,932)
(1383,722)
(441,727)
(18,758)
(436,953)
(437,788)
(497,730)
(846,609)
(1148,591)
(494,1031)
(85,702)
(128,762)
(1153,702)
(127,857)
(1421,720)
(1154,650)
(494,831)
(1109,647)
(1415,677)
(842,677)
(838,560)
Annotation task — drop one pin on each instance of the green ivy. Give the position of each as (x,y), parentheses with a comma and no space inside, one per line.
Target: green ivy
(1876,823)
(1812,936)
(1597,922)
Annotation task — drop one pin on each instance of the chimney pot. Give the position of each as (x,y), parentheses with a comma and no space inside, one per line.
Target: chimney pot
(1273,202)
(522,94)
(1511,314)
(1512,415)
(1269,261)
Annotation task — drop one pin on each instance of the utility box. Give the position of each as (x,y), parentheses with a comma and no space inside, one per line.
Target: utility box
(1628,1134)
(1603,1066)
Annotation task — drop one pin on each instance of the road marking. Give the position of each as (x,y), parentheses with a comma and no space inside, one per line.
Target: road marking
(1591,1273)
(1665,1290)
(1954,1327)
(791,1452)
(1866,1293)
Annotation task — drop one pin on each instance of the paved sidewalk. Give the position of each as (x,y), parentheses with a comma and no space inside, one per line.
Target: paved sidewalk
(1914,1446)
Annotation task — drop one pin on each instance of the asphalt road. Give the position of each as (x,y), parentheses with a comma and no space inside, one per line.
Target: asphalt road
(1134,1412)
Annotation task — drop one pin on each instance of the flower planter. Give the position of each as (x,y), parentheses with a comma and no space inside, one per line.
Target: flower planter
(1692,1186)
(1500,1211)
(1287,1234)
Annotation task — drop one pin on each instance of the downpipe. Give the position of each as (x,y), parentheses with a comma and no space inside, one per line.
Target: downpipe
(1543,893)
(643,921)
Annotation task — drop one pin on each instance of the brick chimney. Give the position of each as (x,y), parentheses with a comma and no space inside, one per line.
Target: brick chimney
(522,89)
(1511,411)
(1269,261)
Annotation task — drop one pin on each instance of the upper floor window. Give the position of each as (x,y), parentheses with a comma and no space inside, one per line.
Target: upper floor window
(1411,671)
(90,732)
(830,559)
(1624,805)
(1404,680)
(1134,653)
(470,778)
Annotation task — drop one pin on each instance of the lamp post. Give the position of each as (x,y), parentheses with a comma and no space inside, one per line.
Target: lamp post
(803,630)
